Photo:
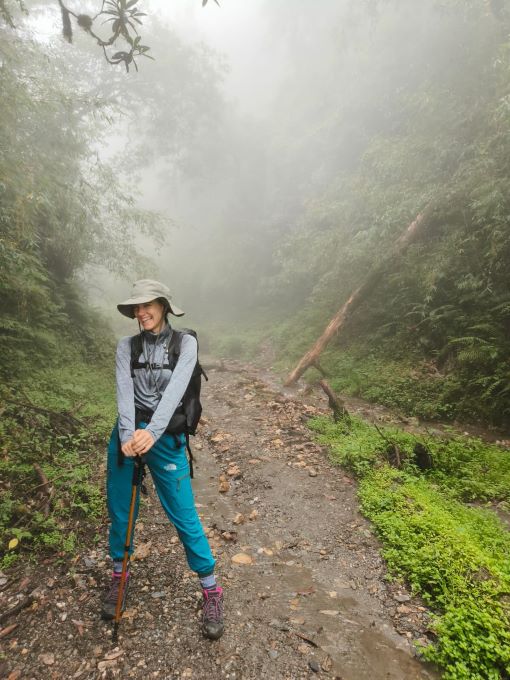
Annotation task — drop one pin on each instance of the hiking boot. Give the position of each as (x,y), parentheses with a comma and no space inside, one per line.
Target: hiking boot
(109,603)
(212,614)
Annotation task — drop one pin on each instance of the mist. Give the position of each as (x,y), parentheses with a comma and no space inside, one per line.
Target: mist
(269,109)
(324,187)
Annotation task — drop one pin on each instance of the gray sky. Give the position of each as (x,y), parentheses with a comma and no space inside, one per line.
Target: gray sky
(239,30)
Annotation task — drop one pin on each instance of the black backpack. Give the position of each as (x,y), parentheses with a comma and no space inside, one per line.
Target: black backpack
(186,416)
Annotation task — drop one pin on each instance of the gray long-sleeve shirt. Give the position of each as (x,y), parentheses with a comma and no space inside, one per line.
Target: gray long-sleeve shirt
(160,391)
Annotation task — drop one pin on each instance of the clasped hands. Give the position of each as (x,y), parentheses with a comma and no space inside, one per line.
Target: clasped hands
(140,443)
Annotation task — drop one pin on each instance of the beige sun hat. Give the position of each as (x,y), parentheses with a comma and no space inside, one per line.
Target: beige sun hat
(146,290)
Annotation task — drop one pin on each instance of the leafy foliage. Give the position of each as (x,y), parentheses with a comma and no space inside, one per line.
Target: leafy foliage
(455,557)
(60,209)
(464,468)
(41,430)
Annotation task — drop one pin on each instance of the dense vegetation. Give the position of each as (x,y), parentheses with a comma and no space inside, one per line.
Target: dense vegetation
(55,199)
(52,464)
(344,166)
(455,556)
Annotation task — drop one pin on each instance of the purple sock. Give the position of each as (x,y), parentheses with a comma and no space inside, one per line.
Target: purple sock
(208,582)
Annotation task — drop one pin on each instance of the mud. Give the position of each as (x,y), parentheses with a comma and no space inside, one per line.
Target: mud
(312,599)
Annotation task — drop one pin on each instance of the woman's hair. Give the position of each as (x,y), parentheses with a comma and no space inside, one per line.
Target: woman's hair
(166,307)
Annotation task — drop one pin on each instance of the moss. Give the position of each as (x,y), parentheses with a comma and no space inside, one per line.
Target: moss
(456,557)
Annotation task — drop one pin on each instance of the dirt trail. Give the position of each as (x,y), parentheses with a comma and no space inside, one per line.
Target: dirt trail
(311,600)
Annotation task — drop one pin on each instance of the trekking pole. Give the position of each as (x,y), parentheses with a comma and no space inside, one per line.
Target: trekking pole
(135,484)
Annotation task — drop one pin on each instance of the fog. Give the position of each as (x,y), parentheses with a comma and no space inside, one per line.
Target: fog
(259,140)
(232,181)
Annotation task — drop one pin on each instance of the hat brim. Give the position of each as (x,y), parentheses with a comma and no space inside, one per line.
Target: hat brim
(127,307)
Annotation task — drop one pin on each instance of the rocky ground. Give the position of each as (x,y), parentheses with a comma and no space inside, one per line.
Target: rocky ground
(305,587)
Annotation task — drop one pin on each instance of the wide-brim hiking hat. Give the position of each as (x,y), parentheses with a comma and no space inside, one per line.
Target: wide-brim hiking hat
(147,290)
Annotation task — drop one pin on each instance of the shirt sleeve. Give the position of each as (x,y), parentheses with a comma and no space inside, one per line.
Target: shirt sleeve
(176,387)
(125,390)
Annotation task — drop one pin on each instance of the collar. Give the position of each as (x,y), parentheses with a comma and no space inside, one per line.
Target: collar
(163,335)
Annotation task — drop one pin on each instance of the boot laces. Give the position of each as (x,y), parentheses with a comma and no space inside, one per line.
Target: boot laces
(113,593)
(213,606)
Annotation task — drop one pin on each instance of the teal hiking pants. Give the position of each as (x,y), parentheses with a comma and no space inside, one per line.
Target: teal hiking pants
(169,467)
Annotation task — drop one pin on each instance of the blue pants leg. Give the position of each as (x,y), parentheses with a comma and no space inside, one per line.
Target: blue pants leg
(119,480)
(168,464)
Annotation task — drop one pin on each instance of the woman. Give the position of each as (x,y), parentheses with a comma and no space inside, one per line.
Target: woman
(147,398)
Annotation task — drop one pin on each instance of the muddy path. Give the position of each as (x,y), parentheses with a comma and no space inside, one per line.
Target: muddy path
(305,587)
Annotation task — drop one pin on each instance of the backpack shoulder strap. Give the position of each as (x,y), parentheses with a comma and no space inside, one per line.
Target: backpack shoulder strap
(136,350)
(174,347)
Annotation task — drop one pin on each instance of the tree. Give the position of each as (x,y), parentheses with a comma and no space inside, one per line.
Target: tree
(122,15)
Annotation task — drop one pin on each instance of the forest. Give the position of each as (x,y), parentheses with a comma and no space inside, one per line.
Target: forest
(264,162)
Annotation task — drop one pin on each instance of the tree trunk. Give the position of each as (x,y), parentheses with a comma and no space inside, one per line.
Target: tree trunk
(311,358)
(335,403)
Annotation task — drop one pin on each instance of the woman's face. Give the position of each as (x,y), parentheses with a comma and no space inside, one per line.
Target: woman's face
(150,315)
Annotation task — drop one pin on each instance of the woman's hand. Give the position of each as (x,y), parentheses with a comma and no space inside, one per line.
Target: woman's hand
(127,449)
(142,441)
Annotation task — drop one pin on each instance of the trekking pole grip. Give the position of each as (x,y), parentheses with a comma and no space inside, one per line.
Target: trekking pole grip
(137,471)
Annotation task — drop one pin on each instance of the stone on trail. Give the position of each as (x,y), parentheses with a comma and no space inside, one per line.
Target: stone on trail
(114,654)
(242,558)
(402,609)
(401,597)
(14,675)
(265,551)
(142,551)
(224,484)
(297,621)
(239,518)
(314,665)
(220,437)
(234,470)
(103,665)
(327,664)
(47,659)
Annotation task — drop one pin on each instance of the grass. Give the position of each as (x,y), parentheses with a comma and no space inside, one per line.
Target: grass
(404,383)
(455,556)
(69,450)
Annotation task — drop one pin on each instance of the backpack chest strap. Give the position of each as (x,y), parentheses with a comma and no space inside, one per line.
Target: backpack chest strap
(142,364)
(172,352)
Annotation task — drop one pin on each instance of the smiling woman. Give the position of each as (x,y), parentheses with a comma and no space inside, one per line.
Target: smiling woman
(150,315)
(150,390)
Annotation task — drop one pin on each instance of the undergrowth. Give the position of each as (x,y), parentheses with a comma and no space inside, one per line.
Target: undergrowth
(369,367)
(52,432)
(411,387)
(455,556)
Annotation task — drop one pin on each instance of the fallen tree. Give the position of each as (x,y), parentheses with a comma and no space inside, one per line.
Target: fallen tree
(417,227)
